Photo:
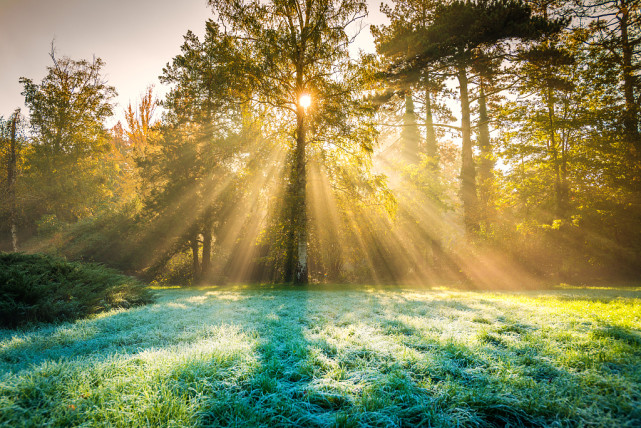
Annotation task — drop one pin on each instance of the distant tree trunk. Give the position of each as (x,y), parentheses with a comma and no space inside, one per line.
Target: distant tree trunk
(205,264)
(486,165)
(468,171)
(431,148)
(207,241)
(11,182)
(565,188)
(194,258)
(553,148)
(410,135)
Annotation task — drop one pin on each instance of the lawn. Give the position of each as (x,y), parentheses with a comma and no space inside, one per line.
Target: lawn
(333,356)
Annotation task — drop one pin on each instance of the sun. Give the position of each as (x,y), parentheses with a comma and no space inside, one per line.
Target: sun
(305,100)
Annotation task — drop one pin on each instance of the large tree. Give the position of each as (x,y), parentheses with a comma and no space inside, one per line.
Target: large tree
(192,156)
(397,41)
(68,177)
(452,41)
(613,28)
(298,64)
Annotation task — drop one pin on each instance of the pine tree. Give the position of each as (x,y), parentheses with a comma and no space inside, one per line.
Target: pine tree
(458,29)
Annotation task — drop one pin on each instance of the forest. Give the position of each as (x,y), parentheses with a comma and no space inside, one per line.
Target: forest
(489,142)
(291,230)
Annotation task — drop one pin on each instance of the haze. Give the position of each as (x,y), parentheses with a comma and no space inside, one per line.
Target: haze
(135,39)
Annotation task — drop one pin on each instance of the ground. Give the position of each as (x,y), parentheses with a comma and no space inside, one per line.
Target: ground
(334,356)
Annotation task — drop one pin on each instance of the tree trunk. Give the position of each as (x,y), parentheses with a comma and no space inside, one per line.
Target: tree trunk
(410,135)
(194,258)
(468,172)
(11,183)
(431,148)
(486,166)
(558,187)
(300,203)
(631,118)
(207,241)
(205,260)
(565,188)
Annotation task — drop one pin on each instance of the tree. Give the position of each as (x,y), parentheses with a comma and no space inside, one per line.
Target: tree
(67,176)
(486,163)
(397,41)
(11,179)
(199,138)
(457,30)
(614,28)
(299,65)
(9,135)
(140,122)
(549,70)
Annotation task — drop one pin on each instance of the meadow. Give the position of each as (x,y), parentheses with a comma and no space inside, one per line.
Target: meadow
(334,356)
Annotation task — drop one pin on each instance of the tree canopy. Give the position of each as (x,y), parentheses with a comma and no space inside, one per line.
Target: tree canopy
(484,141)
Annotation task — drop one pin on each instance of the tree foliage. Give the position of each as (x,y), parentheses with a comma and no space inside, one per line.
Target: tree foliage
(372,178)
(66,176)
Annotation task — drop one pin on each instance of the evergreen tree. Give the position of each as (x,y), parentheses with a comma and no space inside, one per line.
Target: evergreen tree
(458,29)
(614,28)
(193,154)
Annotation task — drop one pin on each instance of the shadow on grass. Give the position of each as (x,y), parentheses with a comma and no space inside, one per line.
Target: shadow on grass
(301,356)
(276,391)
(512,374)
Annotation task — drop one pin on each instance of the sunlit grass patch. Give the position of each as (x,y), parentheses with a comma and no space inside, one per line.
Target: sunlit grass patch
(278,356)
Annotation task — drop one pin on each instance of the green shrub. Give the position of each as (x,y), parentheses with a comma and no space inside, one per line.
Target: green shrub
(41,288)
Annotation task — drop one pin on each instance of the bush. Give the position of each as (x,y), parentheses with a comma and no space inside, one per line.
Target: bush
(41,288)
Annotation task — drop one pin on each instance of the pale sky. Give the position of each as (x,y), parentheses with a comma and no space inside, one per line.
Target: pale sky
(135,38)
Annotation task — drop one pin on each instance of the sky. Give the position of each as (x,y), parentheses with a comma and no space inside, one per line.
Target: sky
(135,38)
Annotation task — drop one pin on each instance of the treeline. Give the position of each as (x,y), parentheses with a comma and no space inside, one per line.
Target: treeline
(548,95)
(486,140)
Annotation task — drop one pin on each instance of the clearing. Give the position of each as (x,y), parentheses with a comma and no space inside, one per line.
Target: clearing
(334,356)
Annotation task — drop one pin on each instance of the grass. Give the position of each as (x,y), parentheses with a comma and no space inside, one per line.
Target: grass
(252,356)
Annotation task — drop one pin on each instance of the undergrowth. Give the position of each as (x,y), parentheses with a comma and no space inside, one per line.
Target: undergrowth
(39,288)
